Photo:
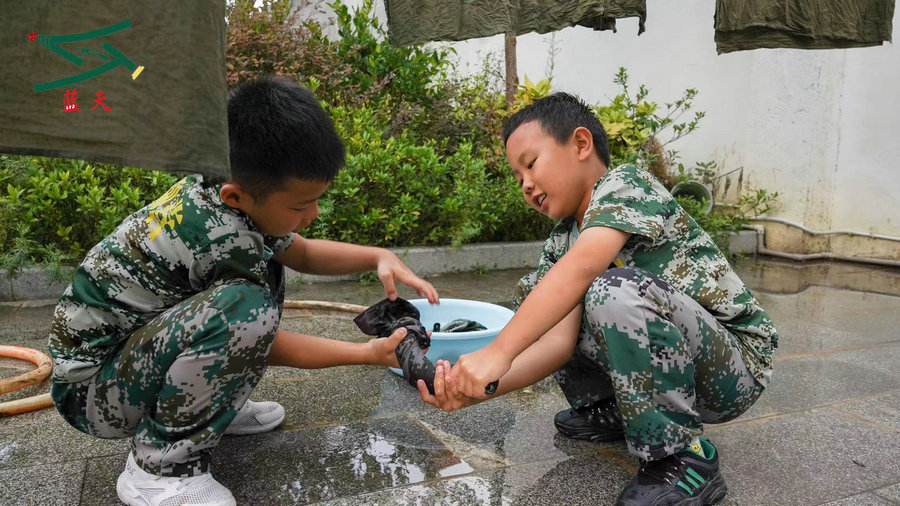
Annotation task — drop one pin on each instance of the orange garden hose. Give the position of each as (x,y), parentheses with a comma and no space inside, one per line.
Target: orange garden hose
(45,365)
(321,304)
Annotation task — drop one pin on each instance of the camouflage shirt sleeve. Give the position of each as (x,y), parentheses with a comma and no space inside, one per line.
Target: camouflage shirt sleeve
(554,248)
(624,201)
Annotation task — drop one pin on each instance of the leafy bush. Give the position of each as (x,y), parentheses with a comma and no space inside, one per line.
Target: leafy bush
(59,208)
(396,191)
(634,126)
(723,220)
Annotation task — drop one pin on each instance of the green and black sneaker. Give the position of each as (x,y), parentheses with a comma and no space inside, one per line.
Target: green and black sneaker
(683,479)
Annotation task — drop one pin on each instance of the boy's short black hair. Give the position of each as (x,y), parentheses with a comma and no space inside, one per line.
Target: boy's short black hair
(277,130)
(559,115)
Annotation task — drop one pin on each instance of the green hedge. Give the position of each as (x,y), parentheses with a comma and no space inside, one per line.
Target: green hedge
(54,210)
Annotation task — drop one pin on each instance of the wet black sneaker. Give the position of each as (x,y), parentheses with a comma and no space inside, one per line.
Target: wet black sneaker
(599,422)
(683,479)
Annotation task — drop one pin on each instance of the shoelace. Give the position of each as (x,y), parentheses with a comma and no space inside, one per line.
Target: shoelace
(607,413)
(668,470)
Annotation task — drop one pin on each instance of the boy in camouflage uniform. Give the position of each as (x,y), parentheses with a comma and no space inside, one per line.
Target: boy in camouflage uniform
(172,319)
(665,335)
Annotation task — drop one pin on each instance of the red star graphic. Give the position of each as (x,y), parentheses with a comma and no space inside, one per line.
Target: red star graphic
(32,36)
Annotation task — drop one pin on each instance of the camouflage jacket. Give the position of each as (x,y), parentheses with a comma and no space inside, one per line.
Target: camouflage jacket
(184,242)
(667,242)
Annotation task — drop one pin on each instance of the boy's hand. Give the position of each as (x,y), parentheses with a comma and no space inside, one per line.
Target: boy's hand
(474,371)
(391,269)
(382,348)
(446,396)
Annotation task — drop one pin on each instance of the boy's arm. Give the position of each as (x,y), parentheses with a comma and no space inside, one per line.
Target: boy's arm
(561,289)
(318,256)
(311,352)
(538,361)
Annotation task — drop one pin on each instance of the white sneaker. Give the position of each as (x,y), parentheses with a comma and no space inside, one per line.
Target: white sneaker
(255,418)
(137,487)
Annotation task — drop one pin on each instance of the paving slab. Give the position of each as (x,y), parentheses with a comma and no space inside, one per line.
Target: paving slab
(862,500)
(332,461)
(55,484)
(823,318)
(341,395)
(100,477)
(891,493)
(811,457)
(807,382)
(578,480)
(51,442)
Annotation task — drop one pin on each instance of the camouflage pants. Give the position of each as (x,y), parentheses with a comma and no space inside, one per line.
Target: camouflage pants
(670,364)
(178,382)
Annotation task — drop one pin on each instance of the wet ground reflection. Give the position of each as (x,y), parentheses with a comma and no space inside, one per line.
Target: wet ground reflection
(326,462)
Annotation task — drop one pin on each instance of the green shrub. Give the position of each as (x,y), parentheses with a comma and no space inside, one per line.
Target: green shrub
(635,125)
(396,191)
(726,219)
(58,208)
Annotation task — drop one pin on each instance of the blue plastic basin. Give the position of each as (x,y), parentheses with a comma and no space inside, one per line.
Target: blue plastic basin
(450,345)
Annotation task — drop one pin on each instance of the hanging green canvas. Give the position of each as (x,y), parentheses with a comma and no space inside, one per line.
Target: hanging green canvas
(134,83)
(801,24)
(418,21)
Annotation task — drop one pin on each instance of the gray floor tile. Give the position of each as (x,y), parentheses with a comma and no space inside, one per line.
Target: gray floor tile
(860,500)
(891,493)
(300,466)
(578,480)
(811,381)
(883,409)
(51,442)
(341,395)
(805,458)
(515,429)
(55,484)
(100,480)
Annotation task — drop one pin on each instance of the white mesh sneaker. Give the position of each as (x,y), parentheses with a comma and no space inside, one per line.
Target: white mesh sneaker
(137,487)
(255,418)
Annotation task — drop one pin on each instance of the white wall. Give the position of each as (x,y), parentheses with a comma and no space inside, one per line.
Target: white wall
(820,127)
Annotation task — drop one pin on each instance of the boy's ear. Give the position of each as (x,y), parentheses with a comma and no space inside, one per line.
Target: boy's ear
(234,196)
(584,143)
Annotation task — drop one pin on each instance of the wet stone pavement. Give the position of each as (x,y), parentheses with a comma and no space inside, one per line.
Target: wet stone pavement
(827,431)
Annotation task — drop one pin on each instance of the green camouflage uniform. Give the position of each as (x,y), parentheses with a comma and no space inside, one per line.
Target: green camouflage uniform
(167,326)
(670,329)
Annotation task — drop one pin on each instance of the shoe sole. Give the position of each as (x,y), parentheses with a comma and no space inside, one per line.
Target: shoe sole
(593,437)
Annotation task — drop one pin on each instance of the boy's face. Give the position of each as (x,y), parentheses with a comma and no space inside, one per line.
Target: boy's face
(548,173)
(290,209)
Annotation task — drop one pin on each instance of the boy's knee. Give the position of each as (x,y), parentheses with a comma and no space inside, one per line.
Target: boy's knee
(605,293)
(246,303)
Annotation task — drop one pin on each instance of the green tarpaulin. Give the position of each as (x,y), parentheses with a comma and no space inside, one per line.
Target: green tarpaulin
(418,21)
(135,83)
(801,24)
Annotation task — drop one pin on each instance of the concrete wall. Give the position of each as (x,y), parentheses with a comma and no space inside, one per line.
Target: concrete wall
(819,127)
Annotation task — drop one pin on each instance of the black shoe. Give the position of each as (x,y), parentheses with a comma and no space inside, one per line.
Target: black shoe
(682,479)
(599,422)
